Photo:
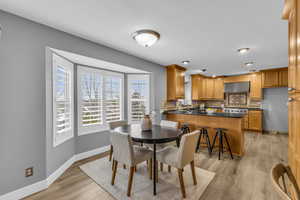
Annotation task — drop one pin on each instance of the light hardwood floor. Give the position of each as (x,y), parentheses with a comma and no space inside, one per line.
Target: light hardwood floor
(240,179)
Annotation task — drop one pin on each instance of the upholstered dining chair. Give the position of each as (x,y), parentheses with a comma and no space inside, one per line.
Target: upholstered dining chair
(113,125)
(180,157)
(281,172)
(127,154)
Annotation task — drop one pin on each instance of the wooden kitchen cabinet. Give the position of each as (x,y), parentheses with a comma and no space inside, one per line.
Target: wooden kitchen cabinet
(283,78)
(275,78)
(197,86)
(255,120)
(209,88)
(246,122)
(218,88)
(175,82)
(256,85)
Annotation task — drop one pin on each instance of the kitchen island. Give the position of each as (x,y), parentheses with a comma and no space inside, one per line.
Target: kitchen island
(234,122)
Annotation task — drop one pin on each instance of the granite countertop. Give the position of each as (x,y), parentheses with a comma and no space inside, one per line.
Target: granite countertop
(216,114)
(249,108)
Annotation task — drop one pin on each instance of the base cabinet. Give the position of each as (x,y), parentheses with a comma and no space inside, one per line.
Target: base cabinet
(255,120)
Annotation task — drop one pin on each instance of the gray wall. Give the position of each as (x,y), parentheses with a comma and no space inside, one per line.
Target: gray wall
(23,138)
(275,109)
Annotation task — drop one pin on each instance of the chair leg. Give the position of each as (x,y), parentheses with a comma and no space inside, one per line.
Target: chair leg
(220,144)
(135,168)
(193,172)
(150,169)
(180,176)
(131,172)
(161,166)
(124,166)
(199,141)
(169,168)
(112,165)
(114,172)
(156,170)
(208,144)
(228,146)
(111,152)
(214,141)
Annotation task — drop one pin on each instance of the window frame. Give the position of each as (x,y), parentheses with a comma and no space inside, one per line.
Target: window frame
(85,130)
(69,66)
(137,76)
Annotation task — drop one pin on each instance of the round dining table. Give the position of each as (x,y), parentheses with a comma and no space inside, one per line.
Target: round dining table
(157,135)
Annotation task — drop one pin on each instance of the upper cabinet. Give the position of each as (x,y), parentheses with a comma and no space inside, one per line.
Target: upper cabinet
(275,78)
(255,86)
(207,88)
(175,82)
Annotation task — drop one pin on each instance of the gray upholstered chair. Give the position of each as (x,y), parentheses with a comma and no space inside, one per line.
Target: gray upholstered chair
(113,125)
(127,154)
(180,157)
(284,173)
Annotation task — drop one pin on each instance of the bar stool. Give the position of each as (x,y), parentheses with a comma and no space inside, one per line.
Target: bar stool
(204,133)
(184,129)
(221,133)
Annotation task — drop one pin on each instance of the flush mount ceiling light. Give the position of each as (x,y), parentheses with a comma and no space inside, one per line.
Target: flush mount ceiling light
(243,50)
(249,64)
(214,76)
(186,62)
(146,38)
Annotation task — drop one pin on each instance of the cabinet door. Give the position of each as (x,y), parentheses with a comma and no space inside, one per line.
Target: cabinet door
(255,120)
(171,84)
(246,122)
(255,86)
(294,135)
(218,88)
(270,79)
(195,87)
(179,84)
(210,88)
(283,78)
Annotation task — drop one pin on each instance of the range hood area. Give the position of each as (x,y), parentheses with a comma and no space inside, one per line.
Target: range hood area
(237,87)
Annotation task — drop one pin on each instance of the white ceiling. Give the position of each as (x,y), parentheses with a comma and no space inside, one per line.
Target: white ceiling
(207,32)
(88,61)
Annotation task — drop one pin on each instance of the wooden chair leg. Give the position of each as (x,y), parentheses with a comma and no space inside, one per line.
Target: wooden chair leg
(111,152)
(124,166)
(114,172)
(135,168)
(131,172)
(150,169)
(156,172)
(113,165)
(169,168)
(193,172)
(180,175)
(161,166)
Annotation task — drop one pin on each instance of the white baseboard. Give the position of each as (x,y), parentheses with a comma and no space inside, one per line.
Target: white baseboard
(55,175)
(44,184)
(91,153)
(25,191)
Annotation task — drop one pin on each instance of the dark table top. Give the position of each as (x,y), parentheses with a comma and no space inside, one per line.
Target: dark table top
(158,134)
(216,114)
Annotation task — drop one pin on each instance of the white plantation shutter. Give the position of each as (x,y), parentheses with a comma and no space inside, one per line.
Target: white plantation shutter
(100,95)
(112,94)
(138,97)
(62,100)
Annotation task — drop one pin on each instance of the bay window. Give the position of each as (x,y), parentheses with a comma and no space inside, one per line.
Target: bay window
(63,99)
(138,97)
(100,99)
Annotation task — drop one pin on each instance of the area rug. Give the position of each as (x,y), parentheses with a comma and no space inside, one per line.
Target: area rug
(168,187)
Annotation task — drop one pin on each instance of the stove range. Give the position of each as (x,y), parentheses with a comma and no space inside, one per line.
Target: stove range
(235,110)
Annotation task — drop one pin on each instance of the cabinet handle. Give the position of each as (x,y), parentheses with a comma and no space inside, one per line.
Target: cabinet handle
(290,99)
(291,89)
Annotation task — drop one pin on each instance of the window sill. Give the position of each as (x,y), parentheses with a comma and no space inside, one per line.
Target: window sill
(100,130)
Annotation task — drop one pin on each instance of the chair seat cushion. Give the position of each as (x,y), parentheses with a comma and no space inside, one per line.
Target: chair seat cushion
(141,154)
(169,156)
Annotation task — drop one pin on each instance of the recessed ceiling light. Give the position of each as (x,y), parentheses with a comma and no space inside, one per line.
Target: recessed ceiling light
(145,37)
(203,70)
(249,64)
(186,62)
(243,50)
